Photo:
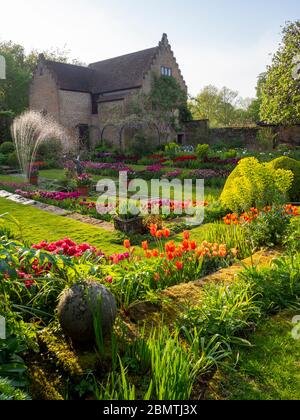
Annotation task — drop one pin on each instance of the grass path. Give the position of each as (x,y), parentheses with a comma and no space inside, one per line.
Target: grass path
(267,371)
(38,225)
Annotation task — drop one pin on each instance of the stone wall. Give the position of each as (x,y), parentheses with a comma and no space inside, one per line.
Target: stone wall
(43,94)
(289,135)
(197,132)
(75,108)
(235,137)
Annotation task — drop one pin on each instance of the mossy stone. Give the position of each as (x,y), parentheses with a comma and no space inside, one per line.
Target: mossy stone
(78,308)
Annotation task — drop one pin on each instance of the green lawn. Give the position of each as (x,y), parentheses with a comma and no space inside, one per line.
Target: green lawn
(39,225)
(267,371)
(13,178)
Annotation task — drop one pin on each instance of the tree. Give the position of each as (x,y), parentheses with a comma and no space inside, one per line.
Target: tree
(227,106)
(206,105)
(164,109)
(281,90)
(19,70)
(222,107)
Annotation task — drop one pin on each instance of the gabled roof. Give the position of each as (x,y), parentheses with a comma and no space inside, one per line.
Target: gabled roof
(120,73)
(124,72)
(71,77)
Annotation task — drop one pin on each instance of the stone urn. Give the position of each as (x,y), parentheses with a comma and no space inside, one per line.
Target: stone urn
(84,191)
(78,307)
(129,226)
(33,180)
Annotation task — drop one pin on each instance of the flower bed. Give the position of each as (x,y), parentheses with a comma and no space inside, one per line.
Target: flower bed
(48,195)
(106,169)
(208,173)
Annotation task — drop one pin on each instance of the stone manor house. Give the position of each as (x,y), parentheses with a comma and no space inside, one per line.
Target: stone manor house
(82,99)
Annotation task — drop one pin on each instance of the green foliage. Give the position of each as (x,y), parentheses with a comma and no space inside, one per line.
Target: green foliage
(6,119)
(279,287)
(271,374)
(166,94)
(3,159)
(7,147)
(266,138)
(268,229)
(225,311)
(12,160)
(19,69)
(9,393)
(222,107)
(292,239)
(171,148)
(230,154)
(173,366)
(294,166)
(253,184)
(141,145)
(202,151)
(51,150)
(281,91)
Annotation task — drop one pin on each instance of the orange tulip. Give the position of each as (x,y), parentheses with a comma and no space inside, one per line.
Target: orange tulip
(153,230)
(159,234)
(193,245)
(186,235)
(179,265)
(170,247)
(145,245)
(185,245)
(155,253)
(167,233)
(127,244)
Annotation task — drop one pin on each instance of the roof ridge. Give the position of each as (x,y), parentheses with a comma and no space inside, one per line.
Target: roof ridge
(123,55)
(67,64)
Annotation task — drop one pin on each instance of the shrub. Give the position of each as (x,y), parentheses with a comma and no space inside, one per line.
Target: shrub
(230,154)
(172,149)
(252,184)
(3,159)
(142,145)
(202,151)
(269,228)
(51,150)
(7,147)
(12,160)
(294,166)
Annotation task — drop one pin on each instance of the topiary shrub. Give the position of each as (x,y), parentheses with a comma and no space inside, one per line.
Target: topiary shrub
(202,151)
(293,165)
(7,147)
(3,159)
(12,160)
(255,184)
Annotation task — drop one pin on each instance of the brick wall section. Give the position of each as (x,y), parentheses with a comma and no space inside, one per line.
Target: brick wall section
(166,58)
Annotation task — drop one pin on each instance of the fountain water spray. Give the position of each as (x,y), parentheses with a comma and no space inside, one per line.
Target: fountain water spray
(31,129)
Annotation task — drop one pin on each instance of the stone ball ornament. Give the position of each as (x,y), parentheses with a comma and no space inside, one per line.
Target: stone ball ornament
(78,307)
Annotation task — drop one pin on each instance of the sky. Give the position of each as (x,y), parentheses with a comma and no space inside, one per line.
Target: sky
(220,42)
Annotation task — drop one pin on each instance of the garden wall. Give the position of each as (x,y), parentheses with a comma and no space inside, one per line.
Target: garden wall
(199,132)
